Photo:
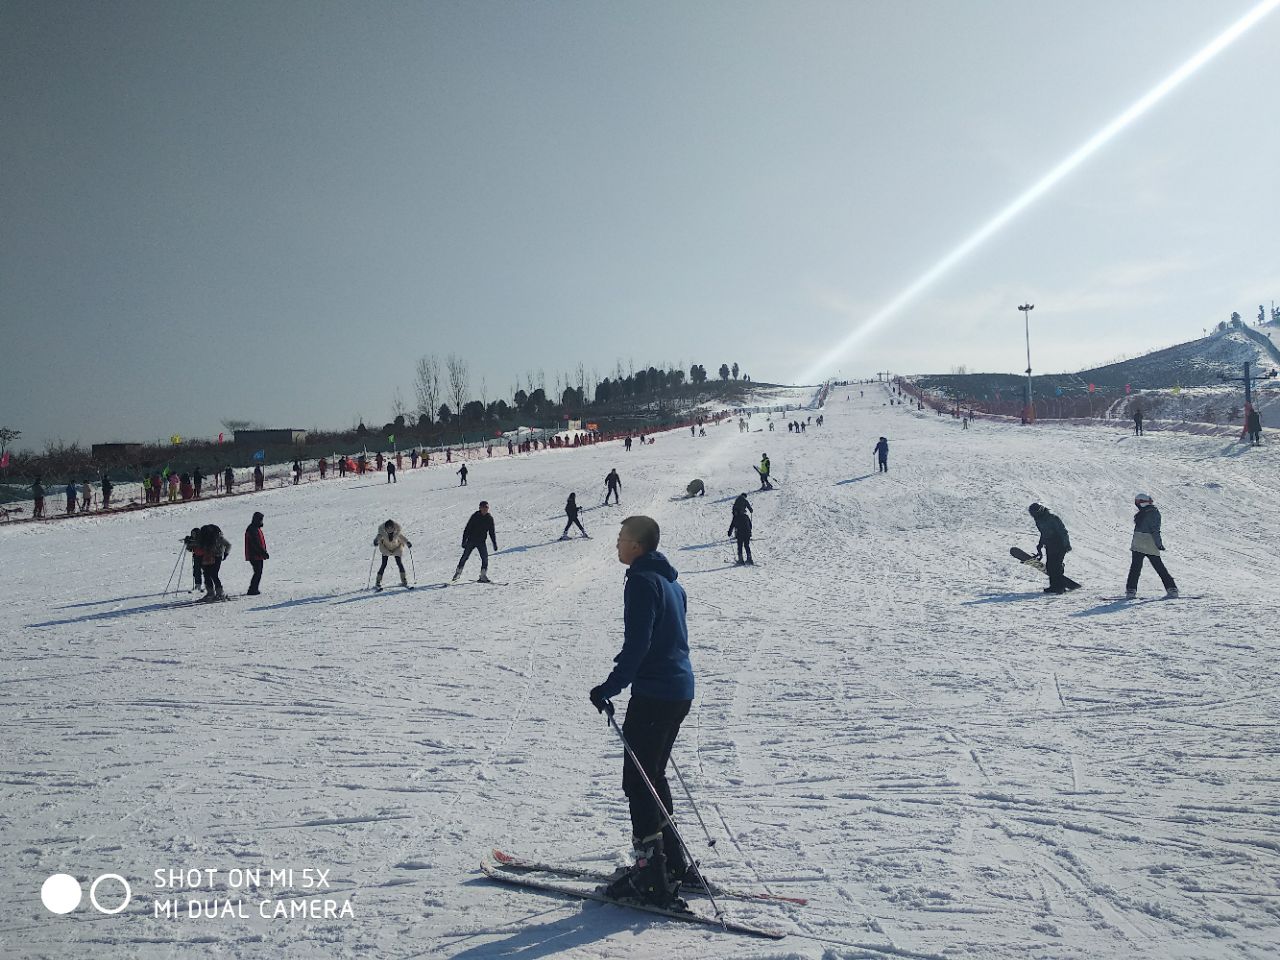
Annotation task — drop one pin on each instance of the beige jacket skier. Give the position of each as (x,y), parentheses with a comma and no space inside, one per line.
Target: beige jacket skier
(390,540)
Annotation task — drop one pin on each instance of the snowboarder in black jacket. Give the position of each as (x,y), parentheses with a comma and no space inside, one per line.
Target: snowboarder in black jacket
(477,529)
(612,484)
(1054,545)
(881,450)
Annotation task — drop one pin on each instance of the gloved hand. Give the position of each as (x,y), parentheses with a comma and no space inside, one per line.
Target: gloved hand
(409,544)
(266,556)
(599,701)
(1039,553)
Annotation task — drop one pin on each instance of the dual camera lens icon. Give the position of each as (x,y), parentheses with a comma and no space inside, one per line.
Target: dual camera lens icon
(62,893)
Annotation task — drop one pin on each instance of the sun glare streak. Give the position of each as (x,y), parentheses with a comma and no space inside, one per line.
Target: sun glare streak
(823,367)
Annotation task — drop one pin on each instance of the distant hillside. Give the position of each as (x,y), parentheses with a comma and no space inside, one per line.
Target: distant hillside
(1197,363)
(1196,367)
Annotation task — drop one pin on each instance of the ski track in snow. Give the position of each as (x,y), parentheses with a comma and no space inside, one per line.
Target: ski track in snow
(892,720)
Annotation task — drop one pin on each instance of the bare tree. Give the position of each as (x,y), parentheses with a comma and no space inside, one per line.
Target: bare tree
(427,386)
(7,436)
(459,380)
(398,407)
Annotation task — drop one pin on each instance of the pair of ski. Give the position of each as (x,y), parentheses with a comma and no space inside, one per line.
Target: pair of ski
(225,598)
(555,878)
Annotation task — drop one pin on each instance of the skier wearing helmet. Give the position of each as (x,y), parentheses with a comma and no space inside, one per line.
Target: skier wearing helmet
(1147,545)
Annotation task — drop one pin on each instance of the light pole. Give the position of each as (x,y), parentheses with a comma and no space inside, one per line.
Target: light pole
(1028,411)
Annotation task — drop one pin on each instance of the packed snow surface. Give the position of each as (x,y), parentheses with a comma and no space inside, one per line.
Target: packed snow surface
(892,720)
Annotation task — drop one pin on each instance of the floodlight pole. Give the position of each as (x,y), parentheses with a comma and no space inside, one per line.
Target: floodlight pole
(1028,411)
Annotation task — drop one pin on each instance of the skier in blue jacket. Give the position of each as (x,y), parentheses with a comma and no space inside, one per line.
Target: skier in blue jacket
(654,662)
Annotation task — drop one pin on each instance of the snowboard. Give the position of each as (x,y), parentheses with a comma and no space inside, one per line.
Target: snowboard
(1030,560)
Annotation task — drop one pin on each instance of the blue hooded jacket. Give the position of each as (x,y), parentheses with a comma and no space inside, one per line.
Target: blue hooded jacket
(654,659)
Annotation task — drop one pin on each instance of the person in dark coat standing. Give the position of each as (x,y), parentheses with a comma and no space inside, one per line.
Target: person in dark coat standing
(255,551)
(228,480)
(881,450)
(1254,424)
(197,480)
(258,478)
(1146,545)
(1054,546)
(612,484)
(740,528)
(1137,422)
(571,510)
(654,662)
(462,472)
(107,487)
(478,529)
(214,548)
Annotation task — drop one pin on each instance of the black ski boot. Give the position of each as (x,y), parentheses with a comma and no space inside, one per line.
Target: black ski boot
(680,875)
(647,881)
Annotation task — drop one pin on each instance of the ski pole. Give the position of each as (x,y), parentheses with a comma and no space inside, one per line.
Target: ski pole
(711,841)
(608,709)
(175,570)
(369,579)
(413,566)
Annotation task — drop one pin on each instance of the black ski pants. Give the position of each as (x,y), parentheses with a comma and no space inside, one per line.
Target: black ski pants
(382,568)
(573,522)
(1054,559)
(256,563)
(651,727)
(196,575)
(744,543)
(1135,571)
(484,555)
(212,582)
(612,492)
(884,465)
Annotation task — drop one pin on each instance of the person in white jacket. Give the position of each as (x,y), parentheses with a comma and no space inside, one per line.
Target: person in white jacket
(392,542)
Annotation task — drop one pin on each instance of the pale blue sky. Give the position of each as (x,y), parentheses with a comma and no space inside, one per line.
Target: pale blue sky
(269,210)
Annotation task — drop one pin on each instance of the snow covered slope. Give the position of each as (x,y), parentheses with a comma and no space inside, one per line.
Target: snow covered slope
(892,720)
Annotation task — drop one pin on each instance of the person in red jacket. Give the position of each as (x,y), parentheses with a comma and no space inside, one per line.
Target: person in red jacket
(255,551)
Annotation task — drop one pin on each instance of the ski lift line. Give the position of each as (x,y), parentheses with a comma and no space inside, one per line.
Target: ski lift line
(1042,186)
